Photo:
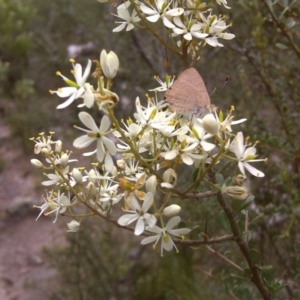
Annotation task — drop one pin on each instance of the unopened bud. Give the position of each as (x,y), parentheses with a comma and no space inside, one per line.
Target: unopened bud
(45,152)
(73,226)
(109,64)
(64,159)
(58,146)
(236,192)
(151,184)
(169,178)
(121,163)
(38,164)
(210,124)
(91,188)
(172,210)
(77,175)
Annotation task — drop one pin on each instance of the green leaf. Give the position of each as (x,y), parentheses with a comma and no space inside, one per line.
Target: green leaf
(220,179)
(248,201)
(254,256)
(281,46)
(223,220)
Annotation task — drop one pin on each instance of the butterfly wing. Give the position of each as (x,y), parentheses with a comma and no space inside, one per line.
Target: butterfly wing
(188,94)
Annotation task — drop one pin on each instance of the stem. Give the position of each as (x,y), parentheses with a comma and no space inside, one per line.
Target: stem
(255,278)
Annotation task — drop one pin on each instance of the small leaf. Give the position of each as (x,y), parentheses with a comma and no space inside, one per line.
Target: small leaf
(254,256)
(220,179)
(223,220)
(248,201)
(266,268)
(281,46)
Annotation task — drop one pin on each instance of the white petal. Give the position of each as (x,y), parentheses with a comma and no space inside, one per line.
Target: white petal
(139,227)
(207,146)
(127,219)
(88,121)
(173,222)
(148,201)
(67,103)
(171,154)
(86,72)
(88,98)
(120,27)
(147,10)
(151,220)
(168,23)
(153,18)
(175,12)
(109,145)
(83,141)
(149,239)
(253,170)
(187,160)
(105,124)
(108,162)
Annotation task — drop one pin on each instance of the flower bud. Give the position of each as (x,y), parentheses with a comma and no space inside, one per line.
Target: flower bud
(172,210)
(114,171)
(73,226)
(121,163)
(151,184)
(64,159)
(109,64)
(239,180)
(236,192)
(58,146)
(210,124)
(45,152)
(169,178)
(91,188)
(77,175)
(92,175)
(38,164)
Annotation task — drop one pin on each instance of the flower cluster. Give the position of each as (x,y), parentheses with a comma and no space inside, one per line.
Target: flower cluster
(137,162)
(192,21)
(151,147)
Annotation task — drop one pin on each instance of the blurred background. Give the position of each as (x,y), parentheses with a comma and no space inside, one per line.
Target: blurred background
(38,260)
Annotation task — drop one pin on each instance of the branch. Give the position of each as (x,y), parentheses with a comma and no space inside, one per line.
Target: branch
(281,27)
(255,278)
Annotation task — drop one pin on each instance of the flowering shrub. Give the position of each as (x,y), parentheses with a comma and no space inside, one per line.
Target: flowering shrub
(140,172)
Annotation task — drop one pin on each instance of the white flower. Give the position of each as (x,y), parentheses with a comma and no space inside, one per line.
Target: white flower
(165,235)
(163,85)
(139,214)
(124,14)
(76,89)
(193,30)
(109,63)
(201,136)
(42,142)
(245,155)
(161,11)
(187,151)
(55,178)
(57,204)
(215,27)
(105,147)
(220,2)
(226,124)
